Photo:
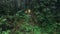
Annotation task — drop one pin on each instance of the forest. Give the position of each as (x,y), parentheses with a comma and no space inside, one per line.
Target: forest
(29,16)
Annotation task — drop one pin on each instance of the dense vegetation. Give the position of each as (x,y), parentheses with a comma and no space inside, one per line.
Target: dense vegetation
(29,16)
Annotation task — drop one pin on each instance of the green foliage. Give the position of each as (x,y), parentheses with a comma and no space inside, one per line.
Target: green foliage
(41,19)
